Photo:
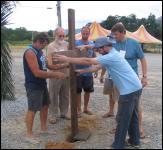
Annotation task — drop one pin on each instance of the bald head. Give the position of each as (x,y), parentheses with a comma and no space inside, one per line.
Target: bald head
(59,34)
(57,31)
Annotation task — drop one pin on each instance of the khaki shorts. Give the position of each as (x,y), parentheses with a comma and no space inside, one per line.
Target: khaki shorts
(140,105)
(110,89)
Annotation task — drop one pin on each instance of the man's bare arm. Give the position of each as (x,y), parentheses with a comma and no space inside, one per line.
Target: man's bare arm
(103,72)
(52,66)
(144,71)
(57,66)
(84,47)
(90,69)
(81,61)
(102,75)
(33,65)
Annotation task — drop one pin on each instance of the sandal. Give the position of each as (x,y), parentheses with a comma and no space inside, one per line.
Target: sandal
(142,135)
(65,117)
(79,115)
(52,120)
(87,112)
(107,115)
(32,140)
(112,131)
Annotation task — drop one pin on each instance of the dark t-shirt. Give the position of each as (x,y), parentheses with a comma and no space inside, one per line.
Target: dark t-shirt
(31,81)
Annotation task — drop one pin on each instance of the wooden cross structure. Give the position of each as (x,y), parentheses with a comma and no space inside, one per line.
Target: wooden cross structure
(76,133)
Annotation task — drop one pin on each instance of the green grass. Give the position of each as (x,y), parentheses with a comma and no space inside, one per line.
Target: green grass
(153,48)
(15,43)
(20,45)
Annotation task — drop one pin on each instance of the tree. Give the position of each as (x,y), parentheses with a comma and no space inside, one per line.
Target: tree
(50,33)
(153,27)
(131,23)
(109,22)
(7,85)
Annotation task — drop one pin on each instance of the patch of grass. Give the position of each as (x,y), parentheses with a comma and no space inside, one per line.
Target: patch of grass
(17,43)
(152,48)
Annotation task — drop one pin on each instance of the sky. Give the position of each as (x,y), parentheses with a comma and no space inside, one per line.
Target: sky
(34,15)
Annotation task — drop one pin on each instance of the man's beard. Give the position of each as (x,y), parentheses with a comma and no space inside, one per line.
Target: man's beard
(60,42)
(85,38)
(104,53)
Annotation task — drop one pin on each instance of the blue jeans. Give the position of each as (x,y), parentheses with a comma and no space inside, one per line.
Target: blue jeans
(127,120)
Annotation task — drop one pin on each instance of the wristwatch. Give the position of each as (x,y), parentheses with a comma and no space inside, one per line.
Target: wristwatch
(144,76)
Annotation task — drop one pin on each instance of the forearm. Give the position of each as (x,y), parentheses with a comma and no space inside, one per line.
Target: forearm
(91,69)
(84,47)
(144,66)
(89,46)
(103,72)
(80,61)
(45,74)
(57,66)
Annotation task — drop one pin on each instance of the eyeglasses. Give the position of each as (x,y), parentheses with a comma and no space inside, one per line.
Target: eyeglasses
(61,36)
(101,47)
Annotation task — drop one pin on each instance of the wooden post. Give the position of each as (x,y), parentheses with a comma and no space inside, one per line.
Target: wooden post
(76,133)
(59,13)
(73,93)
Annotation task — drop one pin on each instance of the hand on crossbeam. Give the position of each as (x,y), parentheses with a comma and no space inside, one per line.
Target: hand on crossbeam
(79,71)
(95,74)
(84,47)
(60,58)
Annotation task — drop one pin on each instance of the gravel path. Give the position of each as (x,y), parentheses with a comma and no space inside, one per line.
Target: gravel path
(13,114)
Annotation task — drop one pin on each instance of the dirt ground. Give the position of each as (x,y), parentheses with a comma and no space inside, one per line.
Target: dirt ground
(13,114)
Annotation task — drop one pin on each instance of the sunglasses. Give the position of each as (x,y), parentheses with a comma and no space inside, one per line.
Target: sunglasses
(61,36)
(101,47)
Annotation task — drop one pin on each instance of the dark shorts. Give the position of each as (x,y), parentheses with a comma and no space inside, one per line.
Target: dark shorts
(85,83)
(37,98)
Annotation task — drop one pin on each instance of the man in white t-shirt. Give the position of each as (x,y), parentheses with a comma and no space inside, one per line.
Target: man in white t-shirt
(58,89)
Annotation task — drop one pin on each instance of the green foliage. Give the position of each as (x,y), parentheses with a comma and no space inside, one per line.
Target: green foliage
(153,26)
(7,85)
(50,33)
(18,34)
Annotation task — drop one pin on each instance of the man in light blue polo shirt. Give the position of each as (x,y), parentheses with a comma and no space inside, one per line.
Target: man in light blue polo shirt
(127,83)
(132,52)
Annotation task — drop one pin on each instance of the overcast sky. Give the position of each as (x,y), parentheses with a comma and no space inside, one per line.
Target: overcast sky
(34,15)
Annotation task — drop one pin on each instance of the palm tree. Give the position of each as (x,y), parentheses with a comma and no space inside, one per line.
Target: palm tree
(7,85)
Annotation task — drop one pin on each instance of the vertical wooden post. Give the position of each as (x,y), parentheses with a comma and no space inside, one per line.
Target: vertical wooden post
(73,93)
(59,13)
